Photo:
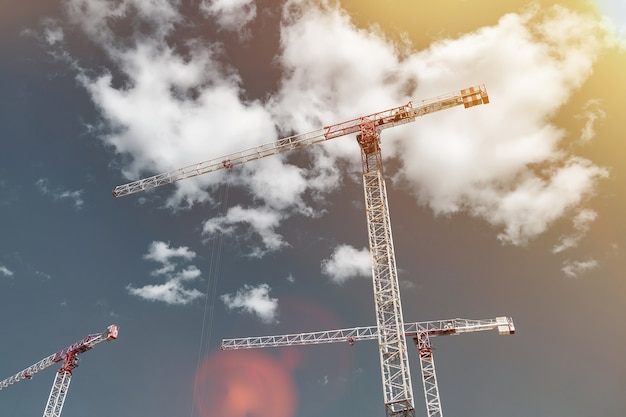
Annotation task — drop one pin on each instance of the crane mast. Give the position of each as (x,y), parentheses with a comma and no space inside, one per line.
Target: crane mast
(396,378)
(504,325)
(421,332)
(63,377)
(394,361)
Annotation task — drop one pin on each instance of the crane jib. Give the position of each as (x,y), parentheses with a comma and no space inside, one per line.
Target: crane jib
(78,347)
(396,116)
(63,376)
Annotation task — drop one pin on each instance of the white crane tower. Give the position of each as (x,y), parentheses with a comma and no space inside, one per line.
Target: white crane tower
(396,378)
(69,357)
(421,332)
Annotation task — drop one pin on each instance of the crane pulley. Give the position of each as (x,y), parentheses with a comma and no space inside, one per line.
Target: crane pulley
(396,378)
(69,357)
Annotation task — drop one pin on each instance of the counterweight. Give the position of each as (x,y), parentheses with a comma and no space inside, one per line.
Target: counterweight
(69,357)
(396,379)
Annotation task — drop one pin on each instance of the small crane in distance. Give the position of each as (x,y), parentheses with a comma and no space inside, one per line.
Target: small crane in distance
(69,357)
(421,332)
(396,378)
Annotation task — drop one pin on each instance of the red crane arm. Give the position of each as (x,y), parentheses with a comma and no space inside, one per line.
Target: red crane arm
(72,350)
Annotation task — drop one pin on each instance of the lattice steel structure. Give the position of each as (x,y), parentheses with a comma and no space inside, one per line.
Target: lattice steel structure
(421,332)
(396,378)
(63,377)
(394,359)
(56,399)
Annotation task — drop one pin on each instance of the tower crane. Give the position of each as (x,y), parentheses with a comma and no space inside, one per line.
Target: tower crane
(69,357)
(396,379)
(421,332)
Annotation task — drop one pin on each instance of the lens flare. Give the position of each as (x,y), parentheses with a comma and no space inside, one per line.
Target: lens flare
(244,384)
(321,371)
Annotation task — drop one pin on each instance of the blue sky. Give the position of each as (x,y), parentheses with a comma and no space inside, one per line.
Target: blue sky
(616,11)
(514,208)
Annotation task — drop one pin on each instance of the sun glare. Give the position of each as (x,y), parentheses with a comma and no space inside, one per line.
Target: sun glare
(244,384)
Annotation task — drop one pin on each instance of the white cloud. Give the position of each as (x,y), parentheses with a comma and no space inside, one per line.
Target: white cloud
(574,268)
(253,300)
(171,107)
(6,271)
(477,161)
(347,262)
(333,71)
(43,275)
(230,14)
(527,209)
(163,130)
(278,185)
(592,113)
(615,11)
(262,225)
(505,163)
(481,161)
(581,222)
(95,18)
(173,291)
(60,193)
(53,35)
(162,252)
(280,189)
